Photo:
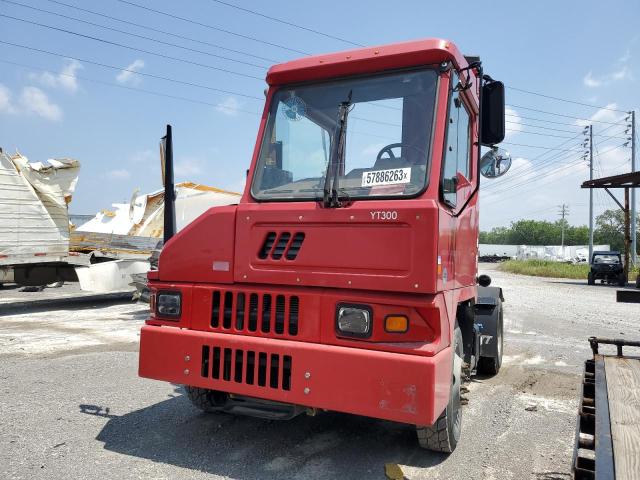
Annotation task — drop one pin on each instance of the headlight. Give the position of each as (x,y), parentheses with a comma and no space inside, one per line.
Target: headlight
(354,320)
(168,304)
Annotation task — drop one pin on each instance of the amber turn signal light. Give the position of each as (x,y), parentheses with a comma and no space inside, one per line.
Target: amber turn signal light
(396,324)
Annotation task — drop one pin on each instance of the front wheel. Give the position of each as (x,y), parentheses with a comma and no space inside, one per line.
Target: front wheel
(622,280)
(206,400)
(590,279)
(444,434)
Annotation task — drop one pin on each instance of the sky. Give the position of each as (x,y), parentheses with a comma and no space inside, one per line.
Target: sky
(65,105)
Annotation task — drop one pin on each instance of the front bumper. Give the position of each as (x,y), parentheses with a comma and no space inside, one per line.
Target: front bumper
(392,386)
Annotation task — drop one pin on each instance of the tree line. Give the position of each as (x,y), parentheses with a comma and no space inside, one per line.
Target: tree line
(609,230)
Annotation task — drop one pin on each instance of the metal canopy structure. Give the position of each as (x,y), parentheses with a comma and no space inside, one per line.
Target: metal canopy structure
(626,181)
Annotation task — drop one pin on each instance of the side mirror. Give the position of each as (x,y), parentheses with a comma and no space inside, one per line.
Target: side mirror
(484,280)
(495,163)
(492,113)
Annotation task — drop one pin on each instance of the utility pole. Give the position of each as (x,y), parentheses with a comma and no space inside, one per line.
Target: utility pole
(564,211)
(590,193)
(634,215)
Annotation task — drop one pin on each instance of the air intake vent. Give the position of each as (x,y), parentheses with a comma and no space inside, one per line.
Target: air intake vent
(248,367)
(285,246)
(294,248)
(267,245)
(257,313)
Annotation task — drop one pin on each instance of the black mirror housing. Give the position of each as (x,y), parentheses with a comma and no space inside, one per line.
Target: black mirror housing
(493,123)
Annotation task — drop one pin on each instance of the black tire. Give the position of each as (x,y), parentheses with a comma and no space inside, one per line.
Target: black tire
(622,280)
(491,365)
(204,399)
(444,434)
(590,279)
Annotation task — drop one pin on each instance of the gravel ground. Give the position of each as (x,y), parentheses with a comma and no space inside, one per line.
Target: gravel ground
(72,406)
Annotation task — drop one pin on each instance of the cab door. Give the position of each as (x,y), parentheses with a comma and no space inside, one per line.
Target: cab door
(457,184)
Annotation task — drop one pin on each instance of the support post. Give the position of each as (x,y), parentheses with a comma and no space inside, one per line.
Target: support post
(634,214)
(627,234)
(590,193)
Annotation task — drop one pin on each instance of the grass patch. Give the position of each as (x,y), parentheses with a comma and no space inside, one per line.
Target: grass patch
(546,268)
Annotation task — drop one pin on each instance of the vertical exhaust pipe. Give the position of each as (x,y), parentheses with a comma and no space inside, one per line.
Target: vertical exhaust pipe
(166,152)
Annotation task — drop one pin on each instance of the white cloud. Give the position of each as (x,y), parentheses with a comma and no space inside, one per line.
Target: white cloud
(514,125)
(119,174)
(623,74)
(34,100)
(129,76)
(590,81)
(6,106)
(65,80)
(186,167)
(602,115)
(229,106)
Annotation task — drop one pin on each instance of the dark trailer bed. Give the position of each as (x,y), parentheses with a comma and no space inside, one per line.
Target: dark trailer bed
(608,432)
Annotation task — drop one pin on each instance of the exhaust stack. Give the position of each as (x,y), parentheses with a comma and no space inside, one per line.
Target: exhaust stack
(166,154)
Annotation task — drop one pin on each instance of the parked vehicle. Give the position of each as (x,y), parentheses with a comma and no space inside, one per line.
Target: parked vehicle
(346,277)
(607,267)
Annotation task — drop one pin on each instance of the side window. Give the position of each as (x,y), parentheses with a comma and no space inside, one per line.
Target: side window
(457,146)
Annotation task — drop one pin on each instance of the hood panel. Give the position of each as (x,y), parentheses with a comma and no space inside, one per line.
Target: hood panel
(367,246)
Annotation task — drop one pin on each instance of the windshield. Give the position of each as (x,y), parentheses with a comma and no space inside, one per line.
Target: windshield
(388,138)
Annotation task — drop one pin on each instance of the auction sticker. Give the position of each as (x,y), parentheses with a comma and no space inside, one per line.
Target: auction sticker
(393,176)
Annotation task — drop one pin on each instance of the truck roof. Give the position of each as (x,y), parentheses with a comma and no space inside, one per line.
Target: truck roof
(366,60)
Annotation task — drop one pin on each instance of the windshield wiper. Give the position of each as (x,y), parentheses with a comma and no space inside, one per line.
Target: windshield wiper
(330,198)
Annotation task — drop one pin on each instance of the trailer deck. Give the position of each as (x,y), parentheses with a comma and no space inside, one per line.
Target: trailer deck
(608,432)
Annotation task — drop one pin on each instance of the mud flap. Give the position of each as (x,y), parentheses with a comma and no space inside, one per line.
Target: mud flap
(487,319)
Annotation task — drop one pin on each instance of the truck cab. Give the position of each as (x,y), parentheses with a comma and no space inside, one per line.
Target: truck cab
(346,277)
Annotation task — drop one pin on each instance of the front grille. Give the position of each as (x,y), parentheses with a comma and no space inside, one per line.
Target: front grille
(247,367)
(286,246)
(261,313)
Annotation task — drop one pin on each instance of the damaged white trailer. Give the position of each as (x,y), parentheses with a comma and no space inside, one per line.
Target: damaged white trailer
(34,219)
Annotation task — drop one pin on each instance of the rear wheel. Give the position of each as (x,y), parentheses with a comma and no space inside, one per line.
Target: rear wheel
(444,434)
(590,279)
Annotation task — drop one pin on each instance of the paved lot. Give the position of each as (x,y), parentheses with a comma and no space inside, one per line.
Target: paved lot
(72,406)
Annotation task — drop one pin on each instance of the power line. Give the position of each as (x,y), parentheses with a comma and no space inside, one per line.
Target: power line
(109,42)
(537,146)
(218,29)
(542,120)
(162,42)
(135,89)
(527,132)
(112,67)
(563,99)
(291,24)
(155,29)
(555,113)
(538,126)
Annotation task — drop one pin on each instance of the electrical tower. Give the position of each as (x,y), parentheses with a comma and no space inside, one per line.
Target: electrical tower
(588,145)
(563,213)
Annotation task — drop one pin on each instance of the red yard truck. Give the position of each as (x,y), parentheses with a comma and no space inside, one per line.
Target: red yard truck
(346,277)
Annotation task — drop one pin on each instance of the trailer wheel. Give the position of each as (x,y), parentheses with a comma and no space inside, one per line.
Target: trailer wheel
(590,279)
(491,365)
(444,434)
(204,399)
